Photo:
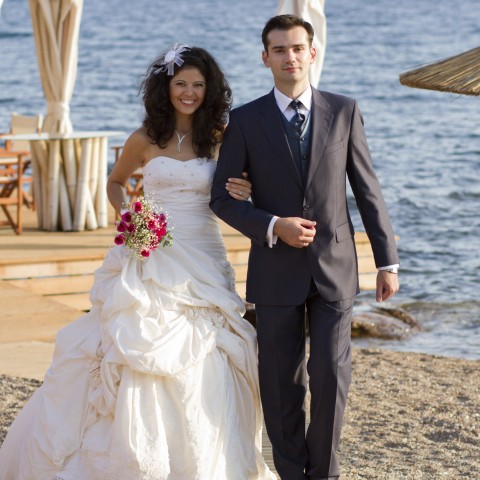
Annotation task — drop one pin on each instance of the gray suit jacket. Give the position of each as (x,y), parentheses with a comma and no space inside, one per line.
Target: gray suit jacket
(255,142)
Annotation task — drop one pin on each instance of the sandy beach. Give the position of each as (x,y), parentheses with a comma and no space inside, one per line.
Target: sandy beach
(412,417)
(409,416)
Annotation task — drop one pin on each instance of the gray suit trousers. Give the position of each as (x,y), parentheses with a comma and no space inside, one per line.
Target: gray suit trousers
(284,372)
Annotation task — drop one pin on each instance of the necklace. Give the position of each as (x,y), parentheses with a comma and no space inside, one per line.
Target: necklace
(181,138)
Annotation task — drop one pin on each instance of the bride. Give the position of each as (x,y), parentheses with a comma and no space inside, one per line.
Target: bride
(159,380)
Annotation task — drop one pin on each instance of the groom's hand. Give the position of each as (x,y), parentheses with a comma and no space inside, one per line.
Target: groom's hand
(387,285)
(295,231)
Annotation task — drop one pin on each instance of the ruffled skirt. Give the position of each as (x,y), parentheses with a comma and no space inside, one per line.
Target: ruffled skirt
(157,382)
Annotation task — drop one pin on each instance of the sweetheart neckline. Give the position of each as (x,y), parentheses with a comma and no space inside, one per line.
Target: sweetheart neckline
(174,159)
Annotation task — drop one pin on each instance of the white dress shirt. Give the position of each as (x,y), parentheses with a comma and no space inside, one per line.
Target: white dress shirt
(283,103)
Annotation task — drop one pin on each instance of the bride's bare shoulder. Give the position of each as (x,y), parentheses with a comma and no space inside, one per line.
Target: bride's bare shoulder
(140,138)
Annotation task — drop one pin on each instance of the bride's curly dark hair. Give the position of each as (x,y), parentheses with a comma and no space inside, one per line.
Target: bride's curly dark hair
(208,121)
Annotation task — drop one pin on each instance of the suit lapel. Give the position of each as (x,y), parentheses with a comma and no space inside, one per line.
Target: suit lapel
(271,124)
(321,122)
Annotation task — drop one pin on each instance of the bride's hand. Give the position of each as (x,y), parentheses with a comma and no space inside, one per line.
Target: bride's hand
(239,188)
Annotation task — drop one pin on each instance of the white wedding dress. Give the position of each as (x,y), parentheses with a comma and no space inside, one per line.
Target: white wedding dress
(159,380)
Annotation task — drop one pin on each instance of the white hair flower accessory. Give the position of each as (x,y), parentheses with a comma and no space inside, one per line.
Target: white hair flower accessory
(172,57)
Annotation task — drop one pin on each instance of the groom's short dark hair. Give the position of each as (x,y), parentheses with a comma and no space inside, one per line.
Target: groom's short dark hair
(286,22)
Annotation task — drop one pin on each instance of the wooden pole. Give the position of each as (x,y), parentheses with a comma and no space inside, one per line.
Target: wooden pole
(38,163)
(80,210)
(91,219)
(65,210)
(53,188)
(101,202)
(44,181)
(70,165)
(94,167)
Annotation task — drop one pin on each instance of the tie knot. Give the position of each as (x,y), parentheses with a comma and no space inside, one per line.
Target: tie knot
(296,104)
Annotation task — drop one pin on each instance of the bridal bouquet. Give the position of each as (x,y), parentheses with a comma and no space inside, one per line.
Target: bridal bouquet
(141,229)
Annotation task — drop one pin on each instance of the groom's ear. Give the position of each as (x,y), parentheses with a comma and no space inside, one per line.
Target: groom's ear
(265,59)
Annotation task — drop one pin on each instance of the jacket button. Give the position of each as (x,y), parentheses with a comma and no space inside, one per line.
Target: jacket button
(306,207)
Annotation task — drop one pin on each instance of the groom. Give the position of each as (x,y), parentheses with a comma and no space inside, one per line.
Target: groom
(302,262)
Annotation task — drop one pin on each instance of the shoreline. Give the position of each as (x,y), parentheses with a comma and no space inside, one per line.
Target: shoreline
(410,416)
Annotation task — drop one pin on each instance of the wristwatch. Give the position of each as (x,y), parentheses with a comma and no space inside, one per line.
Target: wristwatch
(390,270)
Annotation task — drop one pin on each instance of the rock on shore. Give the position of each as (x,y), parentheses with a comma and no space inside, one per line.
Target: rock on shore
(409,416)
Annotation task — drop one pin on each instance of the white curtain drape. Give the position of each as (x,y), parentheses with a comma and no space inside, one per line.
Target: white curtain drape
(56,25)
(70,171)
(313,12)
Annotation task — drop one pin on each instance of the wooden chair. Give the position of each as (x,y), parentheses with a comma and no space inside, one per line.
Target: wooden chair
(11,182)
(134,187)
(21,124)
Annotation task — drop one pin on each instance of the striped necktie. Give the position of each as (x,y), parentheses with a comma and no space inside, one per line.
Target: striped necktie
(298,120)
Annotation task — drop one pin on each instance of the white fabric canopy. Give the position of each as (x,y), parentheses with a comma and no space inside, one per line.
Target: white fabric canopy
(313,12)
(56,25)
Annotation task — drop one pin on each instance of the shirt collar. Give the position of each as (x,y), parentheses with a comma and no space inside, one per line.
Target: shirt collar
(283,101)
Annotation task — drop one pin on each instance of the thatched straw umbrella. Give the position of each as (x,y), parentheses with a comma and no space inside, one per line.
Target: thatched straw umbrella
(458,74)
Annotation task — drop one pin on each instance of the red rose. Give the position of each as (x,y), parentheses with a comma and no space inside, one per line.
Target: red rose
(121,227)
(151,224)
(119,240)
(131,228)
(137,207)
(145,253)
(127,217)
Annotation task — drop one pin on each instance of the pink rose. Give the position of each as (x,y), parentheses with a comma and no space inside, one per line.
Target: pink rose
(131,228)
(145,253)
(137,207)
(121,226)
(119,240)
(127,217)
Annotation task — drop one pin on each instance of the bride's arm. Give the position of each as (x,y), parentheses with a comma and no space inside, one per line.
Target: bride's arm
(239,188)
(131,159)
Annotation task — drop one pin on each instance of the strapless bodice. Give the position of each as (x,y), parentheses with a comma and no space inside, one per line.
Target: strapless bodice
(182,189)
(176,184)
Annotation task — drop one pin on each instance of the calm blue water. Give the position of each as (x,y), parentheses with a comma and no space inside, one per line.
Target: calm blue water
(425,145)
